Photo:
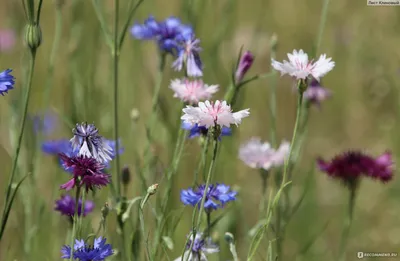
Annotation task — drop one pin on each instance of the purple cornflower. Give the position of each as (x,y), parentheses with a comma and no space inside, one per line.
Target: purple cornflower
(200,248)
(85,252)
(6,81)
(90,144)
(7,40)
(315,93)
(164,32)
(87,172)
(66,206)
(246,61)
(350,166)
(218,192)
(196,130)
(188,55)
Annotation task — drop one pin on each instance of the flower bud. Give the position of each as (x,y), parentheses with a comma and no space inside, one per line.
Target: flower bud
(274,42)
(152,189)
(125,175)
(246,61)
(105,210)
(135,115)
(33,36)
(229,238)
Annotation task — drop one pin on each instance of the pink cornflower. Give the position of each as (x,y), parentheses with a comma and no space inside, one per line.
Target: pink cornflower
(7,40)
(192,91)
(211,114)
(257,154)
(300,68)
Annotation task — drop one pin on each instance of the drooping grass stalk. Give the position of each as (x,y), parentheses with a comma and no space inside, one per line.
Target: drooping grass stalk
(347,225)
(75,220)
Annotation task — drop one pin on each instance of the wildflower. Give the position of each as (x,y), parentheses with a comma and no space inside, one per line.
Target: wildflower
(246,61)
(188,54)
(165,32)
(86,172)
(257,154)
(6,81)
(350,166)
(90,143)
(218,192)
(44,123)
(84,252)
(66,206)
(200,248)
(300,68)
(315,93)
(196,130)
(55,147)
(7,40)
(192,91)
(210,114)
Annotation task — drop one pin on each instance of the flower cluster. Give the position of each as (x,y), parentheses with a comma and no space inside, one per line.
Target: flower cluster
(217,192)
(66,206)
(257,154)
(85,252)
(200,248)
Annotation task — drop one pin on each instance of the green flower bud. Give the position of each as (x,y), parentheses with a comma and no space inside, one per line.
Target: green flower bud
(33,36)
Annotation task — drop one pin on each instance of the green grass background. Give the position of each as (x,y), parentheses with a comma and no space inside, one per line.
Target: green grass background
(363,114)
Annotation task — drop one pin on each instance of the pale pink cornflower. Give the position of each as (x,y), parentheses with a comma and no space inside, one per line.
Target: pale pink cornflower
(192,91)
(209,114)
(300,68)
(7,40)
(260,155)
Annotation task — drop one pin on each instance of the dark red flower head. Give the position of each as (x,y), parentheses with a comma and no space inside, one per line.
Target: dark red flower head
(87,172)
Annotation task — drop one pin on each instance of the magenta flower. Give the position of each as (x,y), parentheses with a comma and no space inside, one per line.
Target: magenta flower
(350,166)
(211,114)
(66,206)
(246,61)
(87,172)
(192,91)
(7,40)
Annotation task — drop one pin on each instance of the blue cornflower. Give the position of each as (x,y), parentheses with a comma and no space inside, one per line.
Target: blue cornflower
(201,246)
(196,130)
(44,123)
(218,192)
(84,252)
(164,32)
(188,55)
(6,81)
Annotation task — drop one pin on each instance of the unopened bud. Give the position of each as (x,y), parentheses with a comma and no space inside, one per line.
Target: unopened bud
(229,238)
(274,42)
(152,189)
(246,61)
(135,115)
(105,210)
(125,175)
(33,36)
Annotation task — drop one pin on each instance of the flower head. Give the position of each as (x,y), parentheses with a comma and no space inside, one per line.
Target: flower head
(188,54)
(257,154)
(192,91)
(300,68)
(66,206)
(164,32)
(90,143)
(246,61)
(315,93)
(84,252)
(209,114)
(196,130)
(350,166)
(7,40)
(87,172)
(6,81)
(200,248)
(217,192)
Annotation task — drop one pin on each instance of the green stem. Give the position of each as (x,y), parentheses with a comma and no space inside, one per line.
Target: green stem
(80,217)
(142,226)
(264,179)
(208,213)
(347,225)
(75,217)
(202,161)
(322,23)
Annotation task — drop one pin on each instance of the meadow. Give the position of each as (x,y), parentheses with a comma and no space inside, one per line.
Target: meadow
(87,61)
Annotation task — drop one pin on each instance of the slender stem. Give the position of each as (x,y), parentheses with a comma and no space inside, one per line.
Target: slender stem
(208,213)
(322,23)
(202,161)
(82,211)
(347,225)
(142,226)
(264,179)
(75,217)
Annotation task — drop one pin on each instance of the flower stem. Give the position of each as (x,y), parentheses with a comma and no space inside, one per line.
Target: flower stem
(208,223)
(264,179)
(347,225)
(75,219)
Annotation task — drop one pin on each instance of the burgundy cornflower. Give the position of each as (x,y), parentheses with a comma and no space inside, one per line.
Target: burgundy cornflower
(66,206)
(86,172)
(350,166)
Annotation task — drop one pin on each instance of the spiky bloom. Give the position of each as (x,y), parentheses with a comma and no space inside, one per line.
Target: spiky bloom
(90,144)
(315,93)
(188,55)
(192,91)
(209,114)
(7,40)
(165,33)
(66,206)
(351,165)
(87,172)
(246,61)
(6,81)
(217,192)
(257,154)
(201,247)
(85,252)
(300,68)
(196,130)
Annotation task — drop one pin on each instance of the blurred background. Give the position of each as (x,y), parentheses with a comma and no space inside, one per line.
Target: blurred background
(362,113)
